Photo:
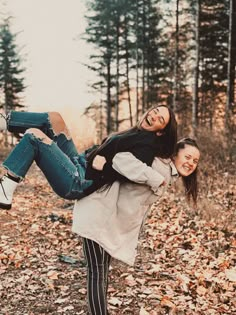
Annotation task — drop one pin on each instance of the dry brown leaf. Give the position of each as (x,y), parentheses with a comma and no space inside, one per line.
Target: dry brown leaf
(115,301)
(201,290)
(53,275)
(231,274)
(130,281)
(165,301)
(143,311)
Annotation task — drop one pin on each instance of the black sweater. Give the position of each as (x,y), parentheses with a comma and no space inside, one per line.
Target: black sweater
(144,145)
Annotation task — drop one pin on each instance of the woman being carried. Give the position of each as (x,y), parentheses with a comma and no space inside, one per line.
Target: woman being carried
(47,141)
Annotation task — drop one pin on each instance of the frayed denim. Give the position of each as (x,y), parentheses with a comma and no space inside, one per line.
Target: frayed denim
(59,161)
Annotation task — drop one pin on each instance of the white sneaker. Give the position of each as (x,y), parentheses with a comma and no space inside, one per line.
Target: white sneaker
(7,188)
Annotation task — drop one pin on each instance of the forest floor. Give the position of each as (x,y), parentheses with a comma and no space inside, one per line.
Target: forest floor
(186,263)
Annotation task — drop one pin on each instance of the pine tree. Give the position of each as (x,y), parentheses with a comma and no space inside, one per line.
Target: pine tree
(176,59)
(178,53)
(11,79)
(100,32)
(126,37)
(213,58)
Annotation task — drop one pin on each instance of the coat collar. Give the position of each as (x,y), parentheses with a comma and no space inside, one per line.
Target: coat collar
(170,163)
(174,171)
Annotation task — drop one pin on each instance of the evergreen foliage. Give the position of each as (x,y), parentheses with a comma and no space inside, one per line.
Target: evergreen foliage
(213,66)
(128,46)
(11,79)
(151,52)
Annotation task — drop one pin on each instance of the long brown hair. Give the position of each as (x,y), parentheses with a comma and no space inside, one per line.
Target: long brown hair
(168,137)
(190,182)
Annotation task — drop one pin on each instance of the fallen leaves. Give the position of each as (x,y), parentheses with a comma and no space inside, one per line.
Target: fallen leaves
(185,266)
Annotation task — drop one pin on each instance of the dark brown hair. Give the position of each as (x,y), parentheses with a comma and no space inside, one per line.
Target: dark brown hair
(190,182)
(168,136)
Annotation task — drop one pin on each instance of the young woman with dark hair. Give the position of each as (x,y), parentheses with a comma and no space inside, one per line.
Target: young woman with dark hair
(112,230)
(47,141)
(190,181)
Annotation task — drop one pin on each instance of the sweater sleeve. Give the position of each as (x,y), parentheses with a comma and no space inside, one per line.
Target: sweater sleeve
(135,170)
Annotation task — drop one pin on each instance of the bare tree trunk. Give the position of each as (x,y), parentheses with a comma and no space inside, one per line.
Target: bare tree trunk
(101,119)
(143,83)
(147,35)
(6,112)
(196,71)
(137,62)
(137,86)
(176,62)
(127,71)
(128,93)
(233,56)
(143,57)
(117,75)
(231,62)
(108,97)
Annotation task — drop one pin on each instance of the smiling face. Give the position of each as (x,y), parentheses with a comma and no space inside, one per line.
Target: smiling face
(156,119)
(186,160)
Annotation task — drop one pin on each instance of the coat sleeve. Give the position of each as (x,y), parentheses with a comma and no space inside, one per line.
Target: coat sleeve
(135,170)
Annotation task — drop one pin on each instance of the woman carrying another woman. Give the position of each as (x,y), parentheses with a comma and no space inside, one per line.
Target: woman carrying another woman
(110,217)
(47,141)
(109,220)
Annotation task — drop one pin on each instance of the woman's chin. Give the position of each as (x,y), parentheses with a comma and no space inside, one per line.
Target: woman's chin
(183,173)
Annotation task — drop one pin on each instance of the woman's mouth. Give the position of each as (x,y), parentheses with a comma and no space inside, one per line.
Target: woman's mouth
(187,168)
(148,120)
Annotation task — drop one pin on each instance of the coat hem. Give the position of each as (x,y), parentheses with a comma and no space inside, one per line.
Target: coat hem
(128,262)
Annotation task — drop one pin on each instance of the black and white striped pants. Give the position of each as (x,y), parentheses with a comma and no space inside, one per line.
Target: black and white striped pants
(98,262)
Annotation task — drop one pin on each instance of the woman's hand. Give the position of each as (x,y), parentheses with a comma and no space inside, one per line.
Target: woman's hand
(98,162)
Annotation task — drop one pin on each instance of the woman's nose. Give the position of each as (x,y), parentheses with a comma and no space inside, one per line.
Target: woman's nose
(154,115)
(191,162)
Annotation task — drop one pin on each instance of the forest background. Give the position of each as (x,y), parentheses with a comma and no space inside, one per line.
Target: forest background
(146,52)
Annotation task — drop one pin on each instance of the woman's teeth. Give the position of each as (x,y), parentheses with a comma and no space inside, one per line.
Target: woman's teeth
(148,120)
(187,168)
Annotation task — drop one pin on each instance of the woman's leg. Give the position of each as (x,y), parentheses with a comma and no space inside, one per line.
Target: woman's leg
(51,123)
(66,178)
(98,262)
(19,122)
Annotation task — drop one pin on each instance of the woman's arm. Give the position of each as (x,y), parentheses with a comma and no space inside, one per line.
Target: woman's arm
(127,165)
(135,170)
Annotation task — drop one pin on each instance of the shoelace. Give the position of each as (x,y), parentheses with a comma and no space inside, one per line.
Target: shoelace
(2,180)
(3,116)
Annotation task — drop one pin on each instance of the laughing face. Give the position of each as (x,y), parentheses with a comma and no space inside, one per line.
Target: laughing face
(186,160)
(156,119)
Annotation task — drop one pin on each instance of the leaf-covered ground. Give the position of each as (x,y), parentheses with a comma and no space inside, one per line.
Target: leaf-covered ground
(186,263)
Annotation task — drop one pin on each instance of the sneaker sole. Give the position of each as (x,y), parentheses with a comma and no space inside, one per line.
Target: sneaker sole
(5,206)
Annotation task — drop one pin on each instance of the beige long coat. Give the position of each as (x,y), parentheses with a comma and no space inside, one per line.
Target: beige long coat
(113,218)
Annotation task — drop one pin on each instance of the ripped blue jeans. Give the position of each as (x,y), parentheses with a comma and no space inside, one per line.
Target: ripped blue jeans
(60,162)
